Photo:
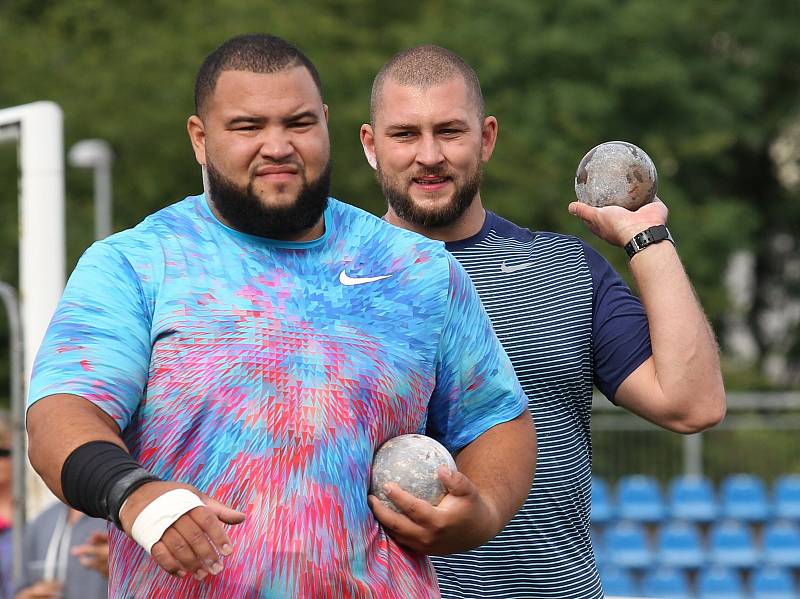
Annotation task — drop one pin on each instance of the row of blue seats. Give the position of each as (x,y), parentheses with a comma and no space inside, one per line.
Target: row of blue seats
(741,496)
(712,583)
(682,544)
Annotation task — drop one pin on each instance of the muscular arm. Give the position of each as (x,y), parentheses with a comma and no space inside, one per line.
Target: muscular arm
(680,386)
(494,477)
(57,425)
(501,464)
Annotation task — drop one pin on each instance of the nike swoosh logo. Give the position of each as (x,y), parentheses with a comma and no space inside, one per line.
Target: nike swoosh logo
(515,268)
(345,279)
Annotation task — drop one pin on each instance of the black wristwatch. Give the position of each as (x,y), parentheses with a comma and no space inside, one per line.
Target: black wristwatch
(647,237)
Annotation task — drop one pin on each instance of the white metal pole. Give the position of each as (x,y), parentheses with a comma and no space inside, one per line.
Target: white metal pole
(102,201)
(693,454)
(42,240)
(42,246)
(97,155)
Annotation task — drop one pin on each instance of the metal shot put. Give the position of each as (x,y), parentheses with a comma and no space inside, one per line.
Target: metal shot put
(412,462)
(616,173)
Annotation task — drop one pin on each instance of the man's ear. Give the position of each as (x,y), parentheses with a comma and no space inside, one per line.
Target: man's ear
(367,135)
(325,111)
(197,135)
(489,137)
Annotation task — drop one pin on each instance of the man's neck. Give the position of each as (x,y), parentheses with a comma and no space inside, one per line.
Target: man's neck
(467,225)
(315,232)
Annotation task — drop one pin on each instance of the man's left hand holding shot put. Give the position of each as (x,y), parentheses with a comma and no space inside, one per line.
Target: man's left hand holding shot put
(238,357)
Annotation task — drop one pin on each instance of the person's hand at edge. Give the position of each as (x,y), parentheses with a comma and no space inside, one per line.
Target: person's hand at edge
(44,589)
(94,553)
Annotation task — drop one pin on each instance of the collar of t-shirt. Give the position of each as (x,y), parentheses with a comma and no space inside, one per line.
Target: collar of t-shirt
(488,223)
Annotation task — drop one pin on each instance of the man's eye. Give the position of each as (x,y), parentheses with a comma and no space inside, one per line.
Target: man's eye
(450,132)
(300,124)
(402,134)
(246,128)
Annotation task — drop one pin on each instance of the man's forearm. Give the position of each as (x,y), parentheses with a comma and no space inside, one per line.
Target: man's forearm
(59,424)
(685,352)
(501,463)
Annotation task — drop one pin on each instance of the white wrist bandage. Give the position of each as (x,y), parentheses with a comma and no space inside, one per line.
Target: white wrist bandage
(160,514)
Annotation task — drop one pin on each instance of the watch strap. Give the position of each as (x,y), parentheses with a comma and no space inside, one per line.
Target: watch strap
(648,237)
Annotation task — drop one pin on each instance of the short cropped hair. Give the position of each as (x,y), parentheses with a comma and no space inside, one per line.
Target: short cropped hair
(255,53)
(426,66)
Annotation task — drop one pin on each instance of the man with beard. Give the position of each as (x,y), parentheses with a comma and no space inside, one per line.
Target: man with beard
(251,348)
(564,316)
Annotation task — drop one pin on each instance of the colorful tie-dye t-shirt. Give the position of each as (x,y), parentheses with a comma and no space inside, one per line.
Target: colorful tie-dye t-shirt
(266,374)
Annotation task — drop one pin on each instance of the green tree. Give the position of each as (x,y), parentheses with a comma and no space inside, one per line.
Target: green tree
(707,89)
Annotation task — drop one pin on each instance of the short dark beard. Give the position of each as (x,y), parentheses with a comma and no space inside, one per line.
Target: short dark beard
(244,211)
(404,207)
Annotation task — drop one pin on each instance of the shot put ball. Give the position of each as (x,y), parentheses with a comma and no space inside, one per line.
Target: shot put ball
(411,462)
(616,173)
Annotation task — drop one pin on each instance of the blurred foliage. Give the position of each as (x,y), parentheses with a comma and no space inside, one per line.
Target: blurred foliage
(704,88)
(659,453)
(756,445)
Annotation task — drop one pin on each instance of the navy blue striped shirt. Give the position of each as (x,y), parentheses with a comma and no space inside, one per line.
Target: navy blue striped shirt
(567,321)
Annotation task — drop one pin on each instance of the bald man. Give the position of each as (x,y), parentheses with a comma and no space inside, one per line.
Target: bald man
(564,316)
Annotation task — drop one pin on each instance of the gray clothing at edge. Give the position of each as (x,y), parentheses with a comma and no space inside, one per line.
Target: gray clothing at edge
(80,582)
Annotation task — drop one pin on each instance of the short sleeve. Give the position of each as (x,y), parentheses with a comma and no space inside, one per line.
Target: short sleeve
(97,345)
(476,387)
(621,336)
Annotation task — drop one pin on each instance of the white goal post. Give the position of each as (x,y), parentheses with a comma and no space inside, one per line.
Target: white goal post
(38,131)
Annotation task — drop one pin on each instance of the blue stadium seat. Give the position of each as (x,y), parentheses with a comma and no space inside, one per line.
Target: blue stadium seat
(730,543)
(719,583)
(744,497)
(666,583)
(781,544)
(602,504)
(597,546)
(770,582)
(626,545)
(786,497)
(679,544)
(692,498)
(618,582)
(639,498)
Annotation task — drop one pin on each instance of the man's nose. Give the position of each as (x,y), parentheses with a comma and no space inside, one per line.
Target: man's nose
(275,144)
(429,151)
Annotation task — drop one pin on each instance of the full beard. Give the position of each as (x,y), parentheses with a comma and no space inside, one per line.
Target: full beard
(396,193)
(244,211)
